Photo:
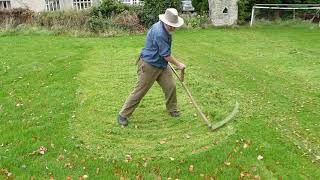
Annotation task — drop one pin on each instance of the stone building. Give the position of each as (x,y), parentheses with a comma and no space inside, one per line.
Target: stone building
(54,5)
(47,5)
(223,12)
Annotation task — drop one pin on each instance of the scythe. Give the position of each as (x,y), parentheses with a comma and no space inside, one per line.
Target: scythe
(213,126)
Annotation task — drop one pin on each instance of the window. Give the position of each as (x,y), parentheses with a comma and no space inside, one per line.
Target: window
(126,1)
(225,11)
(53,5)
(131,2)
(81,4)
(5,4)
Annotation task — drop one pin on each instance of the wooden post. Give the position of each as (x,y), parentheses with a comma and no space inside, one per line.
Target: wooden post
(252,15)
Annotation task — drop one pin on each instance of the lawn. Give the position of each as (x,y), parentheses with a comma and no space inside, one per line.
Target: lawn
(64,93)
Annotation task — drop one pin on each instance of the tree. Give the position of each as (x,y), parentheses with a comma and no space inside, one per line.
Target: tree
(201,6)
(152,9)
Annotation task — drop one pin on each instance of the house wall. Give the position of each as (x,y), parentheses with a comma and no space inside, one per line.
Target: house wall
(218,18)
(40,5)
(34,5)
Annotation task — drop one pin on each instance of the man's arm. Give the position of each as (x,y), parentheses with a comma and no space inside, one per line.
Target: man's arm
(171,59)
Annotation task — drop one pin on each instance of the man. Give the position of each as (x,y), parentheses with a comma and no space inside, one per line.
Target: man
(153,66)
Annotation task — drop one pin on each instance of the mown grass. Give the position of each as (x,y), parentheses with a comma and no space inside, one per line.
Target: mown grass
(64,93)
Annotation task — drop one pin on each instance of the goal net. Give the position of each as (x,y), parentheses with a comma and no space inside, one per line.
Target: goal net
(272,12)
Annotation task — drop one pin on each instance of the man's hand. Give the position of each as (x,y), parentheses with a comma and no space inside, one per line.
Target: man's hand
(181,66)
(173,60)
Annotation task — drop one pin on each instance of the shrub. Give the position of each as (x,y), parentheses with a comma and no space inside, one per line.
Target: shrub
(68,19)
(201,6)
(17,16)
(128,20)
(99,24)
(199,21)
(108,8)
(152,9)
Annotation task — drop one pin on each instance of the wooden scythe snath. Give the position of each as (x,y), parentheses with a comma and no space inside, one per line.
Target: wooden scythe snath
(213,126)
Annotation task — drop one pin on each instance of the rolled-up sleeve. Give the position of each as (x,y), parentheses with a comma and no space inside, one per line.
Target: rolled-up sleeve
(164,45)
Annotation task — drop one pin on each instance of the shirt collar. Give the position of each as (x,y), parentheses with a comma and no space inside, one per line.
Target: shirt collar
(164,28)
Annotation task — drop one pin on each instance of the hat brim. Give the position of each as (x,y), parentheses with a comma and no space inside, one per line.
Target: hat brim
(178,24)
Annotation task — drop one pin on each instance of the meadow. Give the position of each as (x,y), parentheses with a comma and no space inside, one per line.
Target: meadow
(60,97)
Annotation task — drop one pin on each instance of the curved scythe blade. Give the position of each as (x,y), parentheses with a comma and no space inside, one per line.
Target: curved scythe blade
(229,118)
(203,117)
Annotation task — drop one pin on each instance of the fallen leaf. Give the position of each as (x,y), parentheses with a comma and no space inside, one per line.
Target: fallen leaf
(260,157)
(69,178)
(187,136)
(205,147)
(162,142)
(60,157)
(227,163)
(171,158)
(42,150)
(254,168)
(9,175)
(191,168)
(245,174)
(18,105)
(139,177)
(6,172)
(257,177)
(67,165)
(245,146)
(128,156)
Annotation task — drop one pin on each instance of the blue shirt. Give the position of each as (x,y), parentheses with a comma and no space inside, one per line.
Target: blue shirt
(157,46)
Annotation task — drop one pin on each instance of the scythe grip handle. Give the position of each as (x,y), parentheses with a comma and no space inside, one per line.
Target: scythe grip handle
(182,75)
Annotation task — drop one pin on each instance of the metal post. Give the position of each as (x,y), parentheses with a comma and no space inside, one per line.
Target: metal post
(252,15)
(294,14)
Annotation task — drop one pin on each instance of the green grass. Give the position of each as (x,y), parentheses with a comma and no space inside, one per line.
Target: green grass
(64,93)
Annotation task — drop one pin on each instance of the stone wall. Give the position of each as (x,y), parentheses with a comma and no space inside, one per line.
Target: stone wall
(223,12)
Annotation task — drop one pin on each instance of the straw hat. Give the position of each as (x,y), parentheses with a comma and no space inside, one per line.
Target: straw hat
(171,18)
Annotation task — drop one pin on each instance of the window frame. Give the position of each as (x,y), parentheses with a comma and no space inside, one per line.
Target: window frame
(5,4)
(53,5)
(82,4)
